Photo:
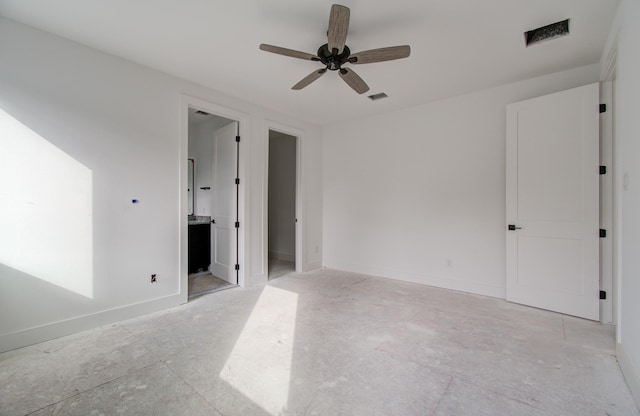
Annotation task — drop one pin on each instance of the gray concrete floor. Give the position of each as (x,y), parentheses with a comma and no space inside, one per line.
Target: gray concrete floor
(325,343)
(278,268)
(202,283)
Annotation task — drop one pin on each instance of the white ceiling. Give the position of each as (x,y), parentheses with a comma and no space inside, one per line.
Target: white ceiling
(457,46)
(196,119)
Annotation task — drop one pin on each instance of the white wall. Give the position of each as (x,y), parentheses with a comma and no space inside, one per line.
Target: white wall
(419,194)
(282,196)
(201,151)
(119,124)
(625,38)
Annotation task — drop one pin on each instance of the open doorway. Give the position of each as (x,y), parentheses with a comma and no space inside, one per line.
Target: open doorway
(282,221)
(213,194)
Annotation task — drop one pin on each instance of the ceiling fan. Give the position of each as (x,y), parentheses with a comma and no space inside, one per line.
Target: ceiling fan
(335,53)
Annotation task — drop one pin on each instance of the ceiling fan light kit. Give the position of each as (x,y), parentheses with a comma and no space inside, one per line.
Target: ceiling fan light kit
(335,53)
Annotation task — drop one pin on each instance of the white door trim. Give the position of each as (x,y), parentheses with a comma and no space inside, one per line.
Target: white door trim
(607,306)
(300,224)
(243,119)
(608,76)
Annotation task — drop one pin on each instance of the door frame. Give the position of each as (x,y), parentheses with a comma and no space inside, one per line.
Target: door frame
(612,188)
(299,209)
(607,207)
(187,101)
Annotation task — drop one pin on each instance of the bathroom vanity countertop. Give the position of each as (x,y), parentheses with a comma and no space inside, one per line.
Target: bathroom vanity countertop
(199,219)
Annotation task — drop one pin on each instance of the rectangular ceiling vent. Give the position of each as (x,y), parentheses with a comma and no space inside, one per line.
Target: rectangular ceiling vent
(204,113)
(378,96)
(548,32)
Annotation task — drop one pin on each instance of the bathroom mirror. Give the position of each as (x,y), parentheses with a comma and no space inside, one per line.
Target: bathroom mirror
(190,187)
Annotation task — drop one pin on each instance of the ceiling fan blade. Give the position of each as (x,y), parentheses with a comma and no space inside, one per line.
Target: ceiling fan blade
(338,27)
(288,52)
(309,79)
(380,55)
(353,80)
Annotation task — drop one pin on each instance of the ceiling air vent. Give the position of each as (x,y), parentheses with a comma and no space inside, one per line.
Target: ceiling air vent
(378,96)
(204,113)
(548,32)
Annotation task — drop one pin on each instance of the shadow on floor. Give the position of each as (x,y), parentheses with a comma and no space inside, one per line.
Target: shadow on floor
(278,268)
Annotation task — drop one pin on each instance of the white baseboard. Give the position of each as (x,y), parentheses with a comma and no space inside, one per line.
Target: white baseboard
(424,279)
(59,329)
(630,373)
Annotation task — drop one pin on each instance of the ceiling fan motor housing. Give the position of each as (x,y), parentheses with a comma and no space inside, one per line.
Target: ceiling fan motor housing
(332,59)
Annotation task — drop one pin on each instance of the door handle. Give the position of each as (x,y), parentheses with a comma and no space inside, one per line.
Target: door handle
(513,227)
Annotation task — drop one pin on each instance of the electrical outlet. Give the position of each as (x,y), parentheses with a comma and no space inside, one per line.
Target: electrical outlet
(153,278)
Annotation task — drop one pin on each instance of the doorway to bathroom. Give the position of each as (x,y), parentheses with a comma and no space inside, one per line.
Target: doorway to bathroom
(213,196)
(282,191)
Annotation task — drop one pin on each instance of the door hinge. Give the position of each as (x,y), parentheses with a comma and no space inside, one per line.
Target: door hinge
(238,139)
(603,295)
(603,170)
(237,267)
(603,233)
(603,108)
(237,181)
(237,224)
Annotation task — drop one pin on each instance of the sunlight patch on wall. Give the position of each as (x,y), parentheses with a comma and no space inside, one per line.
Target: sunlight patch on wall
(45,210)
(262,371)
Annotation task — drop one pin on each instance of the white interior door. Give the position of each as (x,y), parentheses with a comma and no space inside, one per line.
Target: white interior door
(223,231)
(552,201)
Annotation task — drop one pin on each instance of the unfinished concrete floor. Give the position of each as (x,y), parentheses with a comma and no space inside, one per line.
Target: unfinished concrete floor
(202,283)
(325,343)
(279,268)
